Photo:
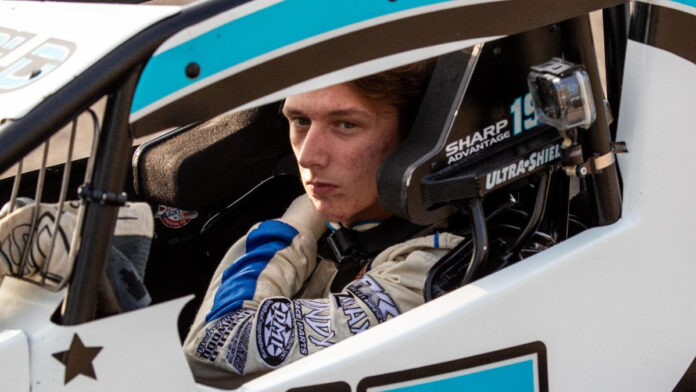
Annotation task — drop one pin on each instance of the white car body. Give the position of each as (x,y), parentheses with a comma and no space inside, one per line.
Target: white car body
(610,309)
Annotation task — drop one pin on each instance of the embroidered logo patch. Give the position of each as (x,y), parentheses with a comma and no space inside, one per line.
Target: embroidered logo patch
(357,318)
(317,316)
(174,218)
(301,334)
(274,330)
(374,296)
(239,348)
(217,334)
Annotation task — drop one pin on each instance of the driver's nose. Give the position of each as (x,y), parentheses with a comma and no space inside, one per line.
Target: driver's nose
(314,148)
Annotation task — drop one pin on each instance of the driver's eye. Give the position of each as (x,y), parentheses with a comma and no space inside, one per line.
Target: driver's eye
(301,121)
(348,125)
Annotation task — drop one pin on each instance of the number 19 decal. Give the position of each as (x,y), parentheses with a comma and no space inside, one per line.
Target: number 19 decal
(522,110)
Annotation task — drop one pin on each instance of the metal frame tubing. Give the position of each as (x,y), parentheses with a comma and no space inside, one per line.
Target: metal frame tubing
(615,35)
(641,19)
(606,188)
(480,238)
(112,160)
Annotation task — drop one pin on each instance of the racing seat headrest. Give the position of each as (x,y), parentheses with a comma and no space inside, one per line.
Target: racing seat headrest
(476,119)
(205,166)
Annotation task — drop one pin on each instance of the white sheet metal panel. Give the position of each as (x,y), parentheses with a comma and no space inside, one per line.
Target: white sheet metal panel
(613,305)
(54,42)
(14,361)
(140,349)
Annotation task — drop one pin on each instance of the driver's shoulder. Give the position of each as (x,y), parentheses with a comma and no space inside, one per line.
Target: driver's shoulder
(427,248)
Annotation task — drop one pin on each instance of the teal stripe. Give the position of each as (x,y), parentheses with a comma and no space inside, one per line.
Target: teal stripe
(691,3)
(242,39)
(518,377)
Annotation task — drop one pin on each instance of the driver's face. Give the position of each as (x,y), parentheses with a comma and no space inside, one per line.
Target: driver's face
(340,138)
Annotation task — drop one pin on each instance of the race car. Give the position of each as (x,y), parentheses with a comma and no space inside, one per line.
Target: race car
(577,273)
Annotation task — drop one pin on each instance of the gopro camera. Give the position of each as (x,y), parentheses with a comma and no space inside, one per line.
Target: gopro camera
(562,94)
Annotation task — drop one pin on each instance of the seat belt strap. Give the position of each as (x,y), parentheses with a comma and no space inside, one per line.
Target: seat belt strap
(351,249)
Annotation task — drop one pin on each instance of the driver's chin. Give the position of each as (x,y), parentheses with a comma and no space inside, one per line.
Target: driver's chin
(331,213)
(331,210)
(346,210)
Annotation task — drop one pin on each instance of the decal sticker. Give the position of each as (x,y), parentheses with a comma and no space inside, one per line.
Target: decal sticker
(477,141)
(12,39)
(217,334)
(523,119)
(238,349)
(274,330)
(78,359)
(317,316)
(301,334)
(154,86)
(357,318)
(374,296)
(523,116)
(33,62)
(691,3)
(164,86)
(174,218)
(688,380)
(535,160)
(520,368)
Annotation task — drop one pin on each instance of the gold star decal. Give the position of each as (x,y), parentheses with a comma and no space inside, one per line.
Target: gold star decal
(78,359)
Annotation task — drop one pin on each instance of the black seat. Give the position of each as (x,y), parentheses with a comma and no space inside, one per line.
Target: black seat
(267,200)
(206,166)
(237,168)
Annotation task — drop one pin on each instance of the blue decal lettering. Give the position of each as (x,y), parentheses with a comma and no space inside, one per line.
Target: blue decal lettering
(36,64)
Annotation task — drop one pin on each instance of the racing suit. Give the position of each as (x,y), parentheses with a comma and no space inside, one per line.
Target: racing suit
(269,302)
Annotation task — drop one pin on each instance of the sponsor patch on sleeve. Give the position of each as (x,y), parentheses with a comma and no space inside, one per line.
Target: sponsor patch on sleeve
(374,296)
(301,334)
(216,335)
(274,330)
(238,349)
(316,320)
(357,318)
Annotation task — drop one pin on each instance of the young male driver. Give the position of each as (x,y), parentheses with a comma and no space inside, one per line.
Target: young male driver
(270,301)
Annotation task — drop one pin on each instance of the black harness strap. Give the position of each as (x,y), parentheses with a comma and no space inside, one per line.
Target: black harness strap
(351,250)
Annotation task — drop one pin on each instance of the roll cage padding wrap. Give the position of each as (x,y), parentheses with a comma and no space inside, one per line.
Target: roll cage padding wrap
(210,165)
